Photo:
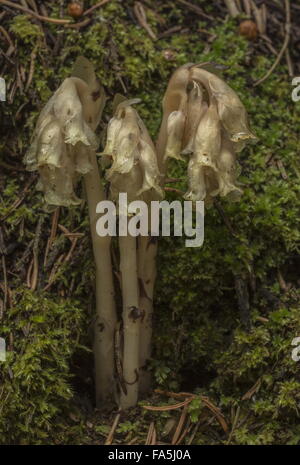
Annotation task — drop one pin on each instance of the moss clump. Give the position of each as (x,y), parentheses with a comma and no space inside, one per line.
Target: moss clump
(42,333)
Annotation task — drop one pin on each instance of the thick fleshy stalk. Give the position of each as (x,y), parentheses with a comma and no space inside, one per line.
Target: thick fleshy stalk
(106,318)
(131,321)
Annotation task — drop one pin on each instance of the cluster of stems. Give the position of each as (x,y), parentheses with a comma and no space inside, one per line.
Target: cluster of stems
(204,123)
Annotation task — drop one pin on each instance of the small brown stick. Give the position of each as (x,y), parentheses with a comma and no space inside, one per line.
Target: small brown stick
(153,439)
(186,430)
(35,15)
(165,408)
(69,255)
(174,394)
(224,217)
(260,18)
(6,56)
(6,35)
(32,4)
(83,23)
(74,235)
(54,225)
(19,81)
(132,441)
(173,189)
(283,285)
(170,180)
(284,46)
(193,433)
(28,278)
(53,273)
(247,7)
(234,424)
(52,233)
(252,390)
(150,434)
(179,426)
(169,32)
(31,68)
(269,44)
(34,276)
(64,230)
(195,8)
(35,249)
(110,436)
(142,19)
(289,62)
(282,169)
(232,8)
(263,320)
(216,411)
(5,285)
(18,202)
(90,10)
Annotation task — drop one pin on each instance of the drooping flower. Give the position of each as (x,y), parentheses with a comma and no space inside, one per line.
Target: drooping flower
(231,111)
(175,129)
(215,128)
(64,131)
(134,169)
(196,107)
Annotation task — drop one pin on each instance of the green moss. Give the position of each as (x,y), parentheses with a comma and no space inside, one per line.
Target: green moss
(24,30)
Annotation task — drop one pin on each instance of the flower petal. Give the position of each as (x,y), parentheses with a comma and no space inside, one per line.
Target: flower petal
(175,128)
(151,175)
(231,111)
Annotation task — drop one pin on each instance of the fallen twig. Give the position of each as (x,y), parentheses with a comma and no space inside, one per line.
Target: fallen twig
(18,202)
(31,68)
(232,8)
(165,408)
(142,19)
(174,394)
(90,10)
(284,46)
(35,15)
(195,8)
(83,23)
(179,427)
(110,436)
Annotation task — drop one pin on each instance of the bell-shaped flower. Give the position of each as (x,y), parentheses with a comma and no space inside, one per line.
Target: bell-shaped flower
(227,170)
(196,178)
(208,137)
(148,163)
(206,149)
(231,111)
(126,154)
(134,169)
(215,127)
(175,129)
(196,107)
(64,132)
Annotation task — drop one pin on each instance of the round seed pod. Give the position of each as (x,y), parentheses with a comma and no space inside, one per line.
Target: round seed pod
(75,9)
(248,29)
